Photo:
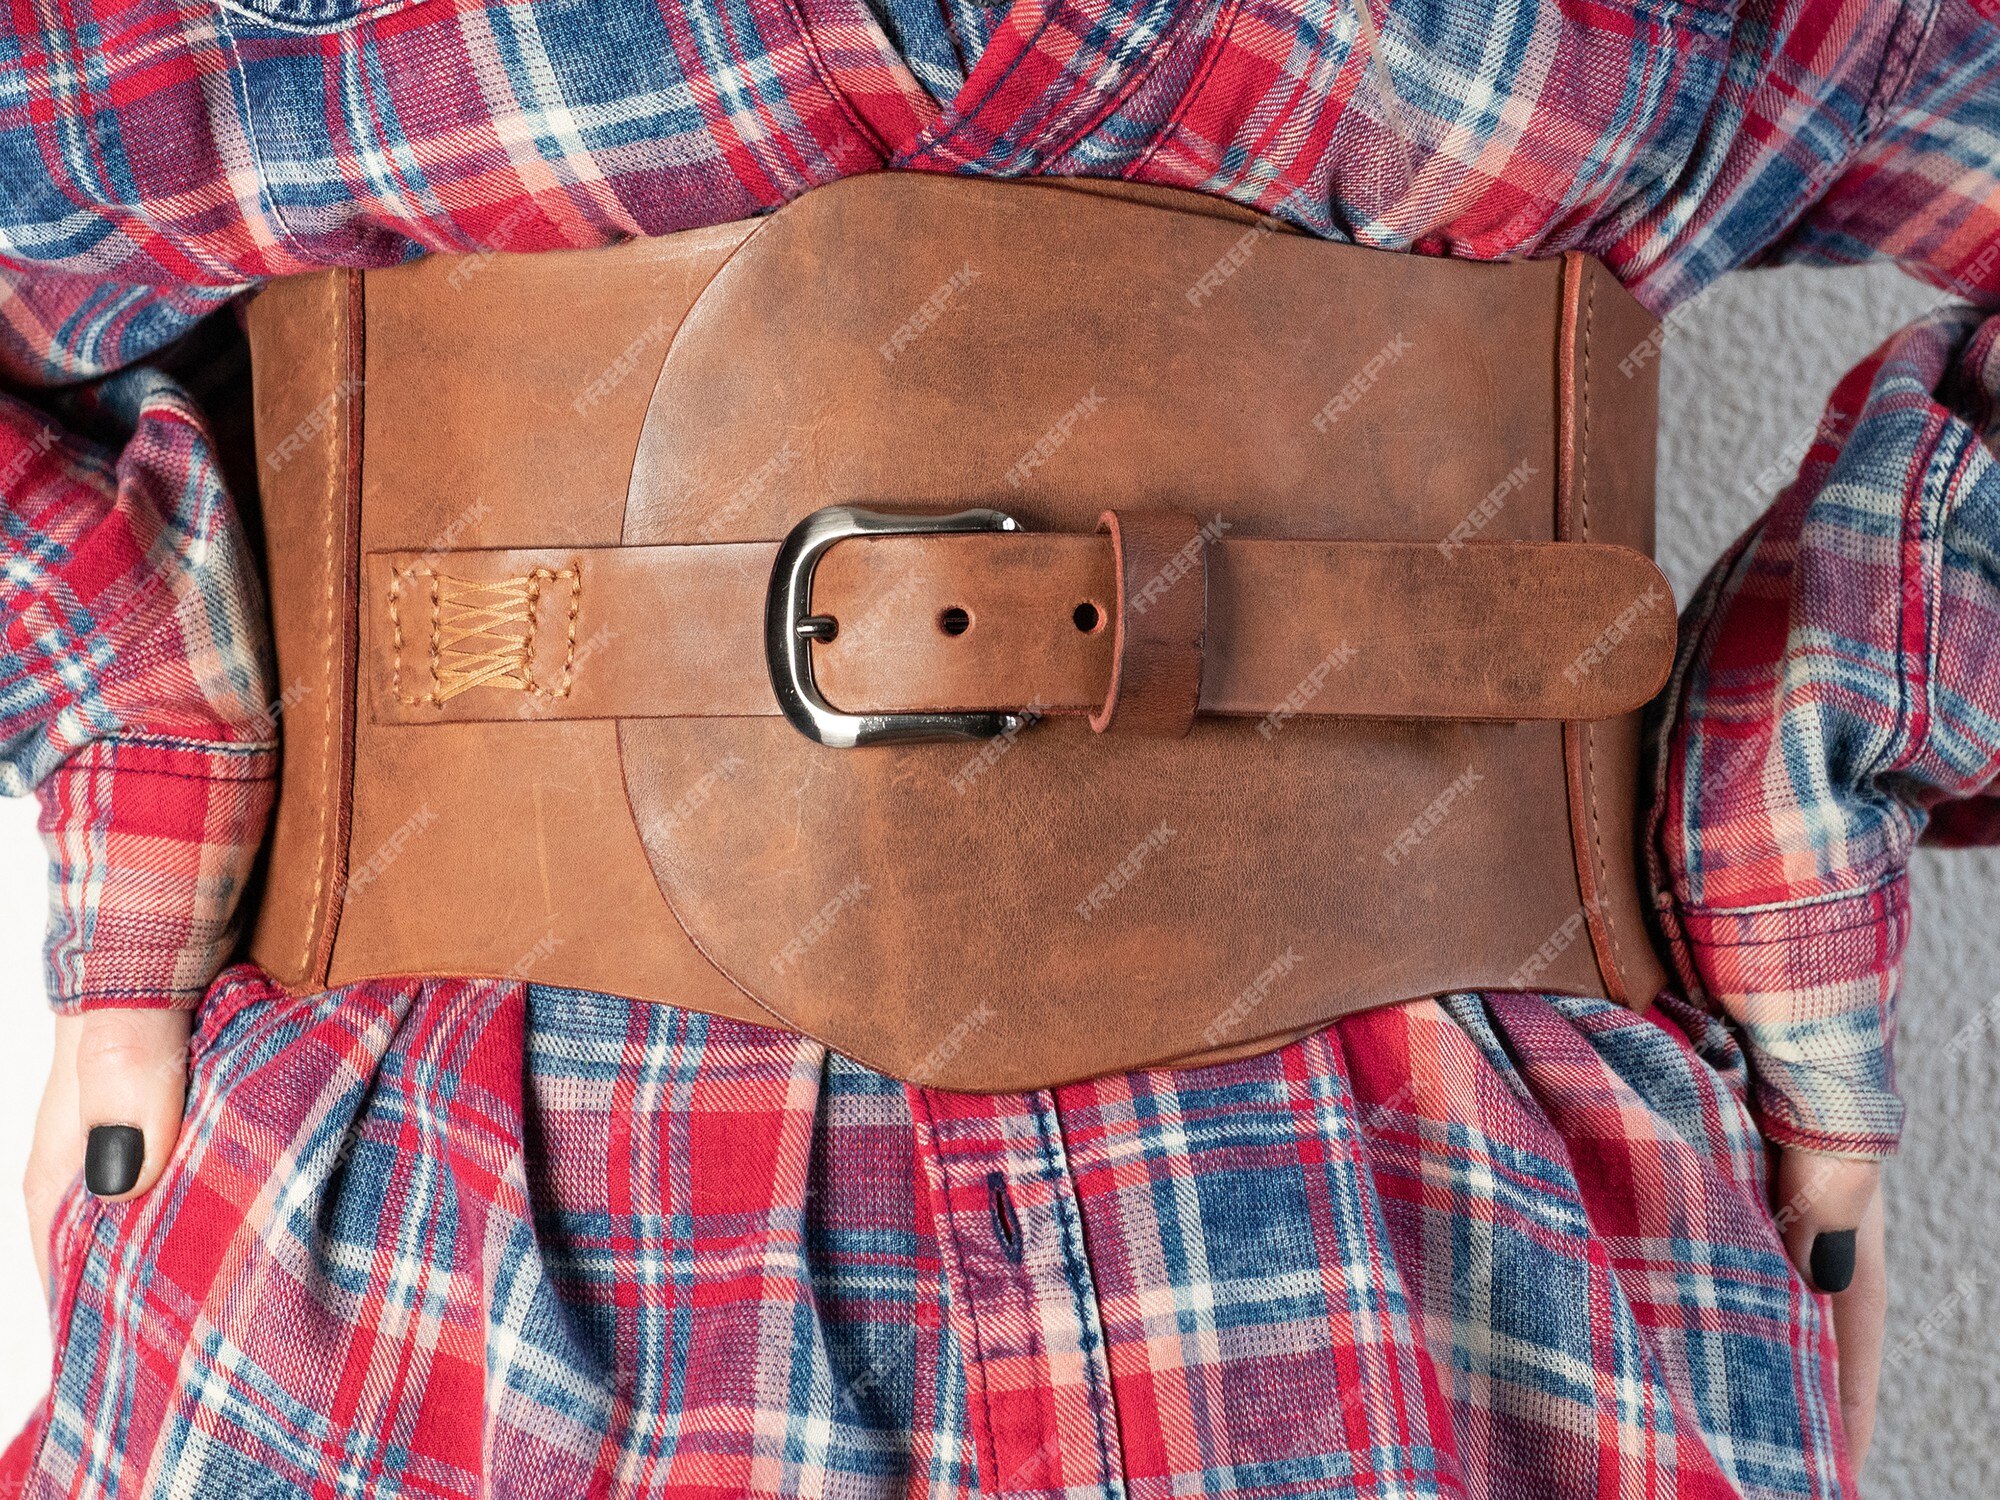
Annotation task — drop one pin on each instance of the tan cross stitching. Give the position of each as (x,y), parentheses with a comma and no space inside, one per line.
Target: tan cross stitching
(483,633)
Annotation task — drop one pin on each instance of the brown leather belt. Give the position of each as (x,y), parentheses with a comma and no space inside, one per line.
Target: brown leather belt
(1010,631)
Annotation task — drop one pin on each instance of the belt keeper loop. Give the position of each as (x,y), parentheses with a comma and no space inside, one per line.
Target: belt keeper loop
(1158,622)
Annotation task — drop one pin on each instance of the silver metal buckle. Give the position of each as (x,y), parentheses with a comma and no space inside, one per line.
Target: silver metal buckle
(790,628)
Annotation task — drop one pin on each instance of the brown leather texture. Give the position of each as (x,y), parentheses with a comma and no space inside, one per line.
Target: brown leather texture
(575,471)
(309,420)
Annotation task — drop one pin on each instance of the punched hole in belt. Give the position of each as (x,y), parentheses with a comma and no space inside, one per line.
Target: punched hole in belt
(1088,617)
(954,620)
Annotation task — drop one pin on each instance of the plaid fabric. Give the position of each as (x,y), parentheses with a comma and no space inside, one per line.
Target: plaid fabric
(131,690)
(1840,677)
(471,1239)
(230,143)
(468,1239)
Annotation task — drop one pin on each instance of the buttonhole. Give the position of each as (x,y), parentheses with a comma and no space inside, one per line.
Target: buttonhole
(1005,1224)
(954,621)
(1088,617)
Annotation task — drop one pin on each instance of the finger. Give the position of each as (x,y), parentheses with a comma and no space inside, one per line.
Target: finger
(1820,1204)
(131,1072)
(1860,1315)
(1829,1211)
(55,1156)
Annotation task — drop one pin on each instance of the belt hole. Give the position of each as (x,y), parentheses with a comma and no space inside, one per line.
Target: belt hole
(954,621)
(1088,617)
(1006,1225)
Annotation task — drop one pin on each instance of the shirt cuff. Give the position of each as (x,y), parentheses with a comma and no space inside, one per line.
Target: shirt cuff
(1813,986)
(150,845)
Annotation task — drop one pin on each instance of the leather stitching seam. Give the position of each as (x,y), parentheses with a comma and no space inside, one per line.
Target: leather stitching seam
(484,633)
(1590,730)
(335,512)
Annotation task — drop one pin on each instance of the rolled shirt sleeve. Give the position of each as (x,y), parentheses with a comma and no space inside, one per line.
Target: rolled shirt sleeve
(1837,695)
(135,692)
(1839,686)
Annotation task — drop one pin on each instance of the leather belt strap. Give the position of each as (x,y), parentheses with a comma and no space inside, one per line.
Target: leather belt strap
(1236,626)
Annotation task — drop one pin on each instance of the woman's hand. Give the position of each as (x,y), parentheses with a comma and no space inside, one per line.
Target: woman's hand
(1830,1213)
(111,1110)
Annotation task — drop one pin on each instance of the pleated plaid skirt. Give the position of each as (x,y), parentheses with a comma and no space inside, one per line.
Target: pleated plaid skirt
(456,1239)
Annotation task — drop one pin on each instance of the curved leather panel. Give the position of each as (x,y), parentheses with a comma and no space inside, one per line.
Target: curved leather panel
(1085,903)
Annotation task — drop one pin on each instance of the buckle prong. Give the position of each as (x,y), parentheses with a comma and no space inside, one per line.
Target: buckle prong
(790,629)
(817,627)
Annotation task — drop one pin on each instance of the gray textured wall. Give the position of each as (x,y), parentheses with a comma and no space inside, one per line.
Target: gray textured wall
(1746,372)
(1745,375)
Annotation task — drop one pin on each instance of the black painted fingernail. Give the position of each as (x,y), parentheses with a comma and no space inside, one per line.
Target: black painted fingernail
(112,1158)
(1833,1260)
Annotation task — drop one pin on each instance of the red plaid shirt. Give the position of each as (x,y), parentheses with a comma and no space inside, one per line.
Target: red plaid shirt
(1839,691)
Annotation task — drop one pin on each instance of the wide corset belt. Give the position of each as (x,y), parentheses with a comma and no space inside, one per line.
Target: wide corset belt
(1011,632)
